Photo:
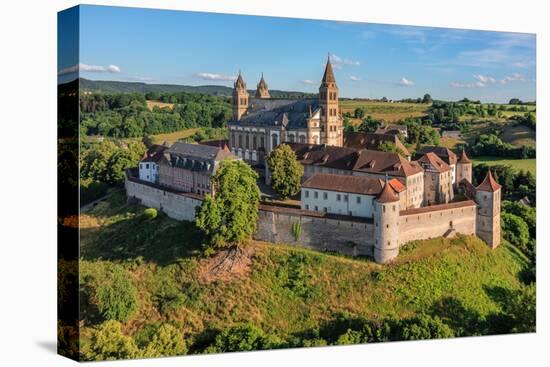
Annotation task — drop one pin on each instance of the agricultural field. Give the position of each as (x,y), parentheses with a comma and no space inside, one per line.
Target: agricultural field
(519,135)
(152,104)
(173,137)
(286,291)
(519,164)
(389,112)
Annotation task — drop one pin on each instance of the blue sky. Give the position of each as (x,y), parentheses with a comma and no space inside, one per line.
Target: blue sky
(370,60)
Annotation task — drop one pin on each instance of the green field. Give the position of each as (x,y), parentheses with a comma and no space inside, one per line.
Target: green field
(389,112)
(173,137)
(288,291)
(519,164)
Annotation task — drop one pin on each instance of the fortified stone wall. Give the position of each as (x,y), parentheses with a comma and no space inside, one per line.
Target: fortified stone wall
(177,206)
(316,231)
(320,231)
(437,220)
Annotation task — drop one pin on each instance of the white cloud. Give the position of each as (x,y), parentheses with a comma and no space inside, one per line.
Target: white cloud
(113,69)
(515,77)
(477,84)
(354,78)
(457,85)
(484,79)
(406,82)
(307,81)
(89,68)
(214,76)
(337,61)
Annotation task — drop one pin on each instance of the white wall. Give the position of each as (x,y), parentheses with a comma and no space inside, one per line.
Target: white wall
(329,200)
(149,171)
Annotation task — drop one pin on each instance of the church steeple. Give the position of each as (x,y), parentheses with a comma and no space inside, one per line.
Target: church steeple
(261,89)
(328,76)
(240,98)
(331,123)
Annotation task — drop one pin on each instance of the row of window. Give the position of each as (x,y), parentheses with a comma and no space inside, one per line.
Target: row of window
(247,141)
(155,167)
(339,197)
(331,95)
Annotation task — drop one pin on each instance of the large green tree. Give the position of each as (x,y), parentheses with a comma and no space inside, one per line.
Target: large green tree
(167,341)
(286,171)
(229,217)
(116,296)
(515,229)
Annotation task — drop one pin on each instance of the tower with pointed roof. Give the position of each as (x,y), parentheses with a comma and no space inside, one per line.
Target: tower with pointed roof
(463,169)
(240,98)
(331,123)
(261,89)
(386,224)
(488,195)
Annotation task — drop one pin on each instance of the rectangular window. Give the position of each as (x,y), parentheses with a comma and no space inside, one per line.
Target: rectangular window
(147,166)
(338,197)
(315,195)
(307,207)
(346,198)
(307,193)
(359,200)
(325,196)
(316,208)
(325,209)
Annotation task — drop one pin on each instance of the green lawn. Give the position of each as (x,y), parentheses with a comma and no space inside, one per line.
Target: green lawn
(520,164)
(289,290)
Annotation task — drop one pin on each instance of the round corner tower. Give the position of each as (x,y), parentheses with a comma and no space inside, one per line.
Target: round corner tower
(386,225)
(463,169)
(488,211)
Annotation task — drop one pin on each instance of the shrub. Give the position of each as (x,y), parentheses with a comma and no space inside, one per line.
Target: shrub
(296,230)
(245,337)
(117,296)
(150,213)
(109,343)
(515,229)
(167,341)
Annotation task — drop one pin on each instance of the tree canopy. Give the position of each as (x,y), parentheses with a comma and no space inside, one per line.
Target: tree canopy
(286,171)
(229,217)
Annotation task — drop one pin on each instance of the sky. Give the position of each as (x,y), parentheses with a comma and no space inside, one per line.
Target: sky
(369,60)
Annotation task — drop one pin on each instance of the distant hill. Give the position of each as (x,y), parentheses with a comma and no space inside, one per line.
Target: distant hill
(107,86)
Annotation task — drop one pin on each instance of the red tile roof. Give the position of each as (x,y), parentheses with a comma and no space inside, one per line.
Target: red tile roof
(388,194)
(372,141)
(464,158)
(431,208)
(154,153)
(352,184)
(489,184)
(437,163)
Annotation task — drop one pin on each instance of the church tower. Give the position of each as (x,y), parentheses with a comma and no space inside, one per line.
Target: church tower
(240,98)
(488,211)
(331,123)
(261,89)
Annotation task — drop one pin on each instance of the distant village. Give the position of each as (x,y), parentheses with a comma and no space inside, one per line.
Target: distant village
(374,199)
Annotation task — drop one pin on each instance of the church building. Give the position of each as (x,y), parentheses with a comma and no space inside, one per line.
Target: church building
(261,123)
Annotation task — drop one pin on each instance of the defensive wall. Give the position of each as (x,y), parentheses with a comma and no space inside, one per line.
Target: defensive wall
(320,231)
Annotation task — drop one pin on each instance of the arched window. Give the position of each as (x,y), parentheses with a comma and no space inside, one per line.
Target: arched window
(302,139)
(274,141)
(254,142)
(247,141)
(240,141)
(291,138)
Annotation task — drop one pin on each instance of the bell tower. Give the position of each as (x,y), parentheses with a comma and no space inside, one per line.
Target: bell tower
(240,98)
(331,123)
(261,89)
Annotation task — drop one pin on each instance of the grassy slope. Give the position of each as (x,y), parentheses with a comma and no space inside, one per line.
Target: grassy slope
(163,252)
(519,164)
